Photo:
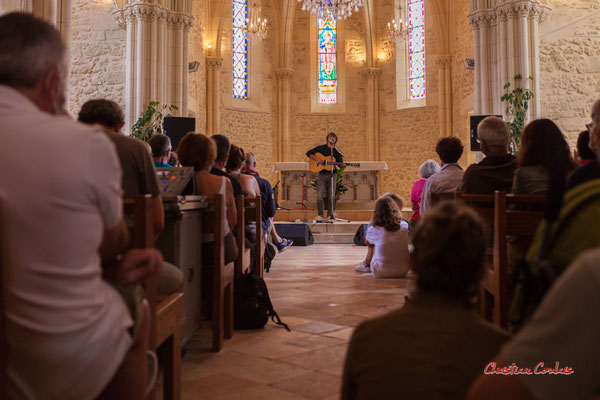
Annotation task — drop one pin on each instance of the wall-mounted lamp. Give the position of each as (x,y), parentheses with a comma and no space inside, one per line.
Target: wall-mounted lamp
(193,66)
(469,63)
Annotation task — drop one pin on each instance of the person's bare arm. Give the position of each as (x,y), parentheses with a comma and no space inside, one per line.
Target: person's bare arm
(158,216)
(114,242)
(230,201)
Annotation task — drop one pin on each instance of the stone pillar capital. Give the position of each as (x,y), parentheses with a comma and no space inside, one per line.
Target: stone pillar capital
(371,73)
(139,11)
(214,62)
(285,73)
(180,20)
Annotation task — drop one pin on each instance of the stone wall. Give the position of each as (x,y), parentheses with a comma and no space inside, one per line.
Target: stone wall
(461,41)
(347,118)
(197,80)
(407,135)
(570,63)
(97,55)
(408,139)
(250,123)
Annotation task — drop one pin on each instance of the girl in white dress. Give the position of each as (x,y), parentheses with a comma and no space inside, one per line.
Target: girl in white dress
(387,238)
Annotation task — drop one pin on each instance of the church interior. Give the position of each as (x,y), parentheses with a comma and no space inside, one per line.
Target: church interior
(399,83)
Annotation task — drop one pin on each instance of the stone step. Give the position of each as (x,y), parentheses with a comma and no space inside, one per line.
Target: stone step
(322,238)
(338,227)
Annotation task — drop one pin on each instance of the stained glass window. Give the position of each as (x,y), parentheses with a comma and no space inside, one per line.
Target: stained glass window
(416,48)
(240,49)
(327,58)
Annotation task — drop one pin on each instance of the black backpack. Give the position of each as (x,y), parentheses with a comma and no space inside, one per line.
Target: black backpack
(252,305)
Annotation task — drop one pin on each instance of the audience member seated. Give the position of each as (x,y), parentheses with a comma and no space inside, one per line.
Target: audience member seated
(448,179)
(223,148)
(583,154)
(233,167)
(562,334)
(161,150)
(591,170)
(543,150)
(69,334)
(496,170)
(139,176)
(426,169)
(436,345)
(387,240)
(199,151)
(269,205)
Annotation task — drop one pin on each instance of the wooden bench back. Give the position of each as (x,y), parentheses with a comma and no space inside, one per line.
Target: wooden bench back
(510,219)
(138,216)
(3,345)
(253,213)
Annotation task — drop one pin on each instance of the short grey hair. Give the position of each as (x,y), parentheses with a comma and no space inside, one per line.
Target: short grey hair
(596,113)
(250,160)
(29,48)
(494,132)
(428,168)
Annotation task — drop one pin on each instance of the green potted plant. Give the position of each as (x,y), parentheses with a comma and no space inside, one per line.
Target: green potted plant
(151,122)
(340,188)
(516,110)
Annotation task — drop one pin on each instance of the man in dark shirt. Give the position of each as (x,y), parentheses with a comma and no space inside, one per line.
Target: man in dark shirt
(591,170)
(325,177)
(496,170)
(139,175)
(161,150)
(223,147)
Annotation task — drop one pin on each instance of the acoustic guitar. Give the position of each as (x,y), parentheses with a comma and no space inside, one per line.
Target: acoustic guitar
(327,165)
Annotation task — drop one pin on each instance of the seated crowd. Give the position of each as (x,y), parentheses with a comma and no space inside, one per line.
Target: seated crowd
(76,322)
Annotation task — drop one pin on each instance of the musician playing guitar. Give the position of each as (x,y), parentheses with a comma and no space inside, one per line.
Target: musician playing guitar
(326,175)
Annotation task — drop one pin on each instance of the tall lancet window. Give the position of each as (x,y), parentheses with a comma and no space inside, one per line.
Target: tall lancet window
(416,49)
(240,49)
(327,40)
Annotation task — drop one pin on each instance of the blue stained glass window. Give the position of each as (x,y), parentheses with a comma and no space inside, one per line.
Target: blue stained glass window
(240,49)
(416,48)
(327,58)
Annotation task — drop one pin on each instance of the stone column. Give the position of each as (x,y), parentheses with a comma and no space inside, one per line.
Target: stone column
(484,62)
(535,57)
(502,59)
(445,94)
(475,25)
(372,121)
(213,67)
(284,113)
(524,50)
(157,57)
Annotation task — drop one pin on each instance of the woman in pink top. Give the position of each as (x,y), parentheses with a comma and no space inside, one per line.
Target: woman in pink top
(426,169)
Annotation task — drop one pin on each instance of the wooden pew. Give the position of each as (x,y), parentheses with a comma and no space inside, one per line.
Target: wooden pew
(218,277)
(508,221)
(166,311)
(437,198)
(253,213)
(3,346)
(242,264)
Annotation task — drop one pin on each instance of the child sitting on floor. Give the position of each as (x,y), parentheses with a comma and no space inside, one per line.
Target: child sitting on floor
(387,239)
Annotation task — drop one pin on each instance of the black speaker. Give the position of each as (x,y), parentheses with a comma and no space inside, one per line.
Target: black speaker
(475,120)
(176,128)
(360,235)
(299,233)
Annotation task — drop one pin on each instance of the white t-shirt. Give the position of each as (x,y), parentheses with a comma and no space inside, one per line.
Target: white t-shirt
(565,329)
(60,188)
(390,257)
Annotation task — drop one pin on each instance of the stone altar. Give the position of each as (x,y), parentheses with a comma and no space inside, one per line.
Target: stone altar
(297,184)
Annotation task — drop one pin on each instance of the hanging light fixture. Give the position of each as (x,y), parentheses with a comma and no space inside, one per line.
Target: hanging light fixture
(257,26)
(398,29)
(337,8)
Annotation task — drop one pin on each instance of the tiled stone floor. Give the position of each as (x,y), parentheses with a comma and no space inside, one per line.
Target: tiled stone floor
(316,291)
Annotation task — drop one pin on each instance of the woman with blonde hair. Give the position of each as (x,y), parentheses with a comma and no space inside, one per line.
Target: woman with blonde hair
(387,238)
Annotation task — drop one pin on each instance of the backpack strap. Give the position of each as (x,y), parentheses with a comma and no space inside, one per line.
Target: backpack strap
(262,286)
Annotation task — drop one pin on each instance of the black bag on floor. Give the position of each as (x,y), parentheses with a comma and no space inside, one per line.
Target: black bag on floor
(251,303)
